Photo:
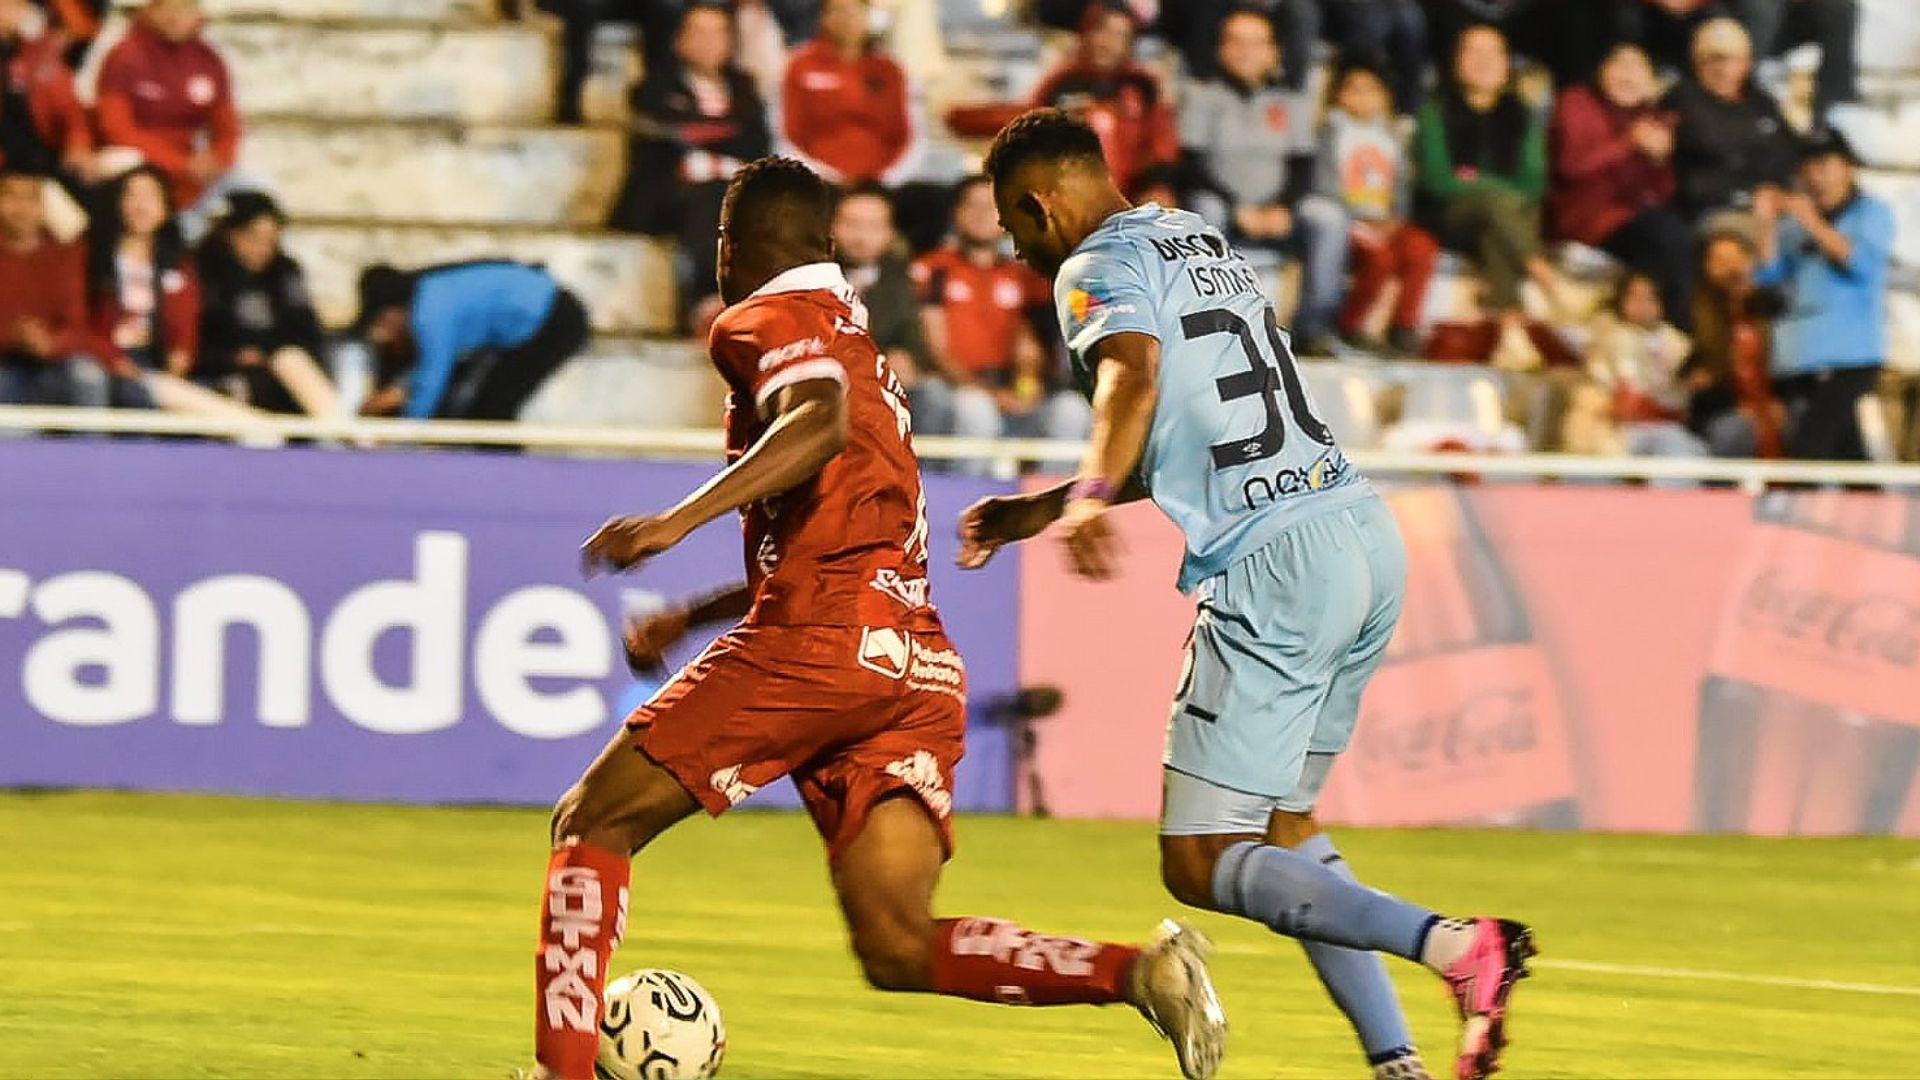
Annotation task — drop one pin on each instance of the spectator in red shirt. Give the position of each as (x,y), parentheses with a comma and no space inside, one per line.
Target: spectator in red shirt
(978,310)
(43,127)
(165,92)
(1612,175)
(843,102)
(1123,101)
(144,297)
(43,306)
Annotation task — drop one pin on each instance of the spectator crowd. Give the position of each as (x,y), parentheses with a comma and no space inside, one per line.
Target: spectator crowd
(1345,146)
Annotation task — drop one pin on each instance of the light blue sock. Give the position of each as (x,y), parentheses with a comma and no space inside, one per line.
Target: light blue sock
(1293,894)
(1357,981)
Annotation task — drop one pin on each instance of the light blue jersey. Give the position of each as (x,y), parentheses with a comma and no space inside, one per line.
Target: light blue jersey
(1236,452)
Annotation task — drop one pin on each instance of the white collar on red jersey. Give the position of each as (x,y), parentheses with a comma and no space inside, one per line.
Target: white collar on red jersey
(805,278)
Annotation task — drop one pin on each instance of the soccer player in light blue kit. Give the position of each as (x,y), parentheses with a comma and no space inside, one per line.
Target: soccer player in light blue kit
(1296,563)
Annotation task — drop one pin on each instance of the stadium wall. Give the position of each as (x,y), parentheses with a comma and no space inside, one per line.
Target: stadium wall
(1605,658)
(383,626)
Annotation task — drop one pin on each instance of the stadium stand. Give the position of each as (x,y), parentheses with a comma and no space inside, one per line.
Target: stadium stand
(424,131)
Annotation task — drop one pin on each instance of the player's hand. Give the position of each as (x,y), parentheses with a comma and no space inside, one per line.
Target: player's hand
(625,542)
(1093,548)
(648,638)
(996,521)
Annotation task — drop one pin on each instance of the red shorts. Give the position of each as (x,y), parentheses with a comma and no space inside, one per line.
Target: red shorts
(853,714)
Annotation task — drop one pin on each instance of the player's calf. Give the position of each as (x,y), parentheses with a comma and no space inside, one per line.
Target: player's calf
(620,804)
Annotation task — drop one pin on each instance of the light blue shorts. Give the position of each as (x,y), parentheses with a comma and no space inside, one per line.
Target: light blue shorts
(1284,643)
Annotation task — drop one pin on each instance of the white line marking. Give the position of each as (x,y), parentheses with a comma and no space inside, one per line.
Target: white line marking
(1728,976)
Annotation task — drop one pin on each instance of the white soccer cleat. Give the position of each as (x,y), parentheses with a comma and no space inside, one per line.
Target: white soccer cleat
(1172,988)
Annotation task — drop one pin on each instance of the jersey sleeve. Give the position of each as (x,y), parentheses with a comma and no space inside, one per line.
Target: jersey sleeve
(763,349)
(1102,292)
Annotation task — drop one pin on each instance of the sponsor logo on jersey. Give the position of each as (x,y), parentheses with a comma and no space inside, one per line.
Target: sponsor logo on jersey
(938,670)
(883,650)
(727,782)
(1203,245)
(921,772)
(909,591)
(787,353)
(1084,305)
(1329,470)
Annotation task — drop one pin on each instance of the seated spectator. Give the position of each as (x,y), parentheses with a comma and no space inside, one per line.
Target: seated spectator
(1248,145)
(1389,36)
(697,120)
(1565,36)
(1635,357)
(1613,184)
(1779,25)
(1827,246)
(465,341)
(1123,101)
(1363,167)
(143,293)
(1483,170)
(1730,138)
(260,340)
(1193,26)
(1733,407)
(43,127)
(165,92)
(45,339)
(843,103)
(978,310)
(868,248)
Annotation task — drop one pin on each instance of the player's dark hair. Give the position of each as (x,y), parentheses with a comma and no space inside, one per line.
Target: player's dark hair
(778,206)
(1042,136)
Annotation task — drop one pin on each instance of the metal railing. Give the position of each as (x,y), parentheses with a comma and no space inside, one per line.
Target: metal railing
(1008,453)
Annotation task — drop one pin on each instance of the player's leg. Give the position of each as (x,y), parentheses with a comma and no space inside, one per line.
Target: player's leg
(884,807)
(616,808)
(1218,853)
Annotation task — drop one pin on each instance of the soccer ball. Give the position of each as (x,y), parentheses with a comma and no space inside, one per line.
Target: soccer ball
(660,1025)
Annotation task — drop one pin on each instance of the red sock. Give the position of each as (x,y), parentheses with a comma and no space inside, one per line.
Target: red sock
(582,916)
(995,960)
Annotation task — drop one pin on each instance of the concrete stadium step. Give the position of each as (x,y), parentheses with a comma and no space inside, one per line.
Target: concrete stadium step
(626,282)
(443,11)
(1886,135)
(632,383)
(390,71)
(440,173)
(1889,37)
(1902,192)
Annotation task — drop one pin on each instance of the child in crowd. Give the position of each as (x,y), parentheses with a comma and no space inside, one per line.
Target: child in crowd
(1636,359)
(1363,166)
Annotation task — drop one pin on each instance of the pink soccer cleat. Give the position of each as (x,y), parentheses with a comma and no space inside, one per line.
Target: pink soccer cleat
(1481,982)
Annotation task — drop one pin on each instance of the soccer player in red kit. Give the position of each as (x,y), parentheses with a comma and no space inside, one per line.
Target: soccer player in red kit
(838,675)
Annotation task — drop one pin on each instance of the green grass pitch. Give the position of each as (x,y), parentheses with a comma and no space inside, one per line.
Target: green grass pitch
(181,936)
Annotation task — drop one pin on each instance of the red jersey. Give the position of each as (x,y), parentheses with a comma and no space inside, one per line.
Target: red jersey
(850,116)
(986,306)
(848,547)
(165,99)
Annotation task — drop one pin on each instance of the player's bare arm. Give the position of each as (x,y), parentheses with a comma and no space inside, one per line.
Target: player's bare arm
(1125,391)
(999,520)
(648,637)
(808,429)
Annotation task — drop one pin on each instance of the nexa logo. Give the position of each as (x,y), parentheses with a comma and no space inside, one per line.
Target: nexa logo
(535,654)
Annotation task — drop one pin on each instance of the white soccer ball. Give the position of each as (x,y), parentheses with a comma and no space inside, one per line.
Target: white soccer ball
(660,1025)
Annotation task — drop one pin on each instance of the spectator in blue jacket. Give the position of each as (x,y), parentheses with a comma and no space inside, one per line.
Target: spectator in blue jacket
(469,341)
(1826,246)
